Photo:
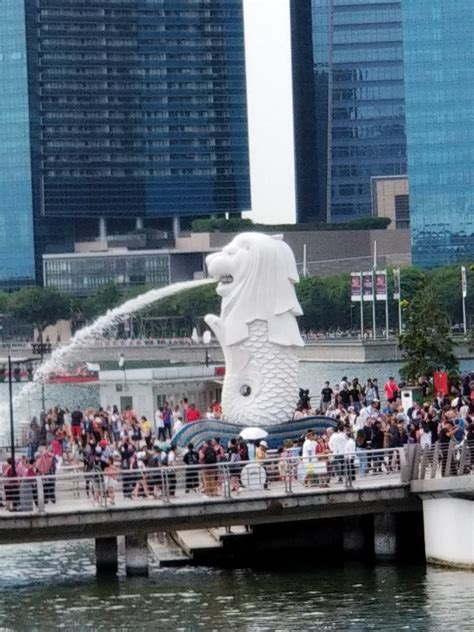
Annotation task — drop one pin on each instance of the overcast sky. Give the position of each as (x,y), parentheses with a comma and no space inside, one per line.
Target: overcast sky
(270,106)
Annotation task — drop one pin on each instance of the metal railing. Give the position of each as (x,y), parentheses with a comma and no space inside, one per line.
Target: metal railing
(71,489)
(442,459)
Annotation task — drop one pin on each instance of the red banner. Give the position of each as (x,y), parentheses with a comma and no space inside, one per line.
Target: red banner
(440,380)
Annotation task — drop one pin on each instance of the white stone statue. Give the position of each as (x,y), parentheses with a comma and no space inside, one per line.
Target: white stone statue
(257,328)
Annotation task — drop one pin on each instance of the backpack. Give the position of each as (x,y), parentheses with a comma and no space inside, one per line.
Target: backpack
(210,455)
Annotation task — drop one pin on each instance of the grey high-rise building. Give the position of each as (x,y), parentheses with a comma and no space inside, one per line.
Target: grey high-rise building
(116,111)
(349,101)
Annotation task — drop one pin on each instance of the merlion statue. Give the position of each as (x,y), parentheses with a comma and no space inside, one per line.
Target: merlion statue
(257,328)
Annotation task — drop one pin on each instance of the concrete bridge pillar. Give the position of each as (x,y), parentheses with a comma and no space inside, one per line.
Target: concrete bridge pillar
(353,536)
(106,558)
(385,536)
(136,555)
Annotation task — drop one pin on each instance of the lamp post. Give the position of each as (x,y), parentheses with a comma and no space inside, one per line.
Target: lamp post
(121,364)
(206,338)
(10,396)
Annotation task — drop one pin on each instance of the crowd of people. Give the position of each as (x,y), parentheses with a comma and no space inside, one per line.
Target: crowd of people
(364,422)
(126,448)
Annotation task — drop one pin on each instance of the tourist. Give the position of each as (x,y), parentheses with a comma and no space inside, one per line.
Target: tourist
(234,467)
(369,393)
(146,429)
(141,484)
(446,435)
(155,478)
(160,424)
(175,416)
(355,393)
(177,425)
(167,421)
(326,397)
(128,463)
(193,414)
(208,458)
(191,459)
(116,424)
(308,455)
(262,456)
(33,439)
(337,444)
(391,390)
(344,395)
(322,463)
(111,473)
(361,448)
(11,486)
(349,456)
(45,465)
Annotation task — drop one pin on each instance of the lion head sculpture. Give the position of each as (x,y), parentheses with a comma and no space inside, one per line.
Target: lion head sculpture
(256,275)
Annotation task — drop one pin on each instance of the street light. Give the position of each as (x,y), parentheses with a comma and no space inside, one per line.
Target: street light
(206,338)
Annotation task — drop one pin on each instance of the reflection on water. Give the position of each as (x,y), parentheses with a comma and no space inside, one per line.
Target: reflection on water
(54,586)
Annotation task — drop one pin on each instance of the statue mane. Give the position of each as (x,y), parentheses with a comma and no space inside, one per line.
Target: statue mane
(264,274)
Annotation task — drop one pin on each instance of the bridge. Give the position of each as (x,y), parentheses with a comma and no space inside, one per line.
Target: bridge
(373,495)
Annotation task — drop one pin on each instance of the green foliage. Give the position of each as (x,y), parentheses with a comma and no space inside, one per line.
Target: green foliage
(237,224)
(40,307)
(426,341)
(106,297)
(216,224)
(189,306)
(4,302)
(325,302)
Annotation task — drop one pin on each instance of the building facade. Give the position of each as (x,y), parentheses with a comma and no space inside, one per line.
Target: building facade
(390,198)
(349,103)
(17,262)
(439,75)
(127,110)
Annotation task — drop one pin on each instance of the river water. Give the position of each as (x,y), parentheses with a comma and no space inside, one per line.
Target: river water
(53,586)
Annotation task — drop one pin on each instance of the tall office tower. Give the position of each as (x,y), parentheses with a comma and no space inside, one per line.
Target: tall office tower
(117,111)
(349,103)
(439,76)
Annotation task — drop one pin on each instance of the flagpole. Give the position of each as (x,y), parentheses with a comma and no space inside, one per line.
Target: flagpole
(373,291)
(464,293)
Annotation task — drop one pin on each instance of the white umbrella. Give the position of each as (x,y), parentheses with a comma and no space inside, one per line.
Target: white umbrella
(253,434)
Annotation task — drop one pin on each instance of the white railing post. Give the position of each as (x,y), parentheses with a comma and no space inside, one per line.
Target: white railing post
(40,494)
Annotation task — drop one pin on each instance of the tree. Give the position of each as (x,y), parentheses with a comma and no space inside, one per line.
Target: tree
(4,302)
(40,307)
(426,340)
(106,297)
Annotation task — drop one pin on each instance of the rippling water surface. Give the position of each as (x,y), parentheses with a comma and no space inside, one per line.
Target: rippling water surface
(53,586)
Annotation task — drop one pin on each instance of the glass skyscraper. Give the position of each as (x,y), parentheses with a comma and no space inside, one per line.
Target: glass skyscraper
(349,103)
(118,109)
(439,77)
(17,264)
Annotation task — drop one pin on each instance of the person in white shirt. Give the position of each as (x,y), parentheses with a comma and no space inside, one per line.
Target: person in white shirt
(160,425)
(177,425)
(309,454)
(309,447)
(349,453)
(337,445)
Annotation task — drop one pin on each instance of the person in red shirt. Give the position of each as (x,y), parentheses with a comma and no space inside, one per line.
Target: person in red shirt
(391,389)
(193,413)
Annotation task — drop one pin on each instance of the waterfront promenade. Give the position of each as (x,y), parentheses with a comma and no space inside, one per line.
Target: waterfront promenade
(76,505)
